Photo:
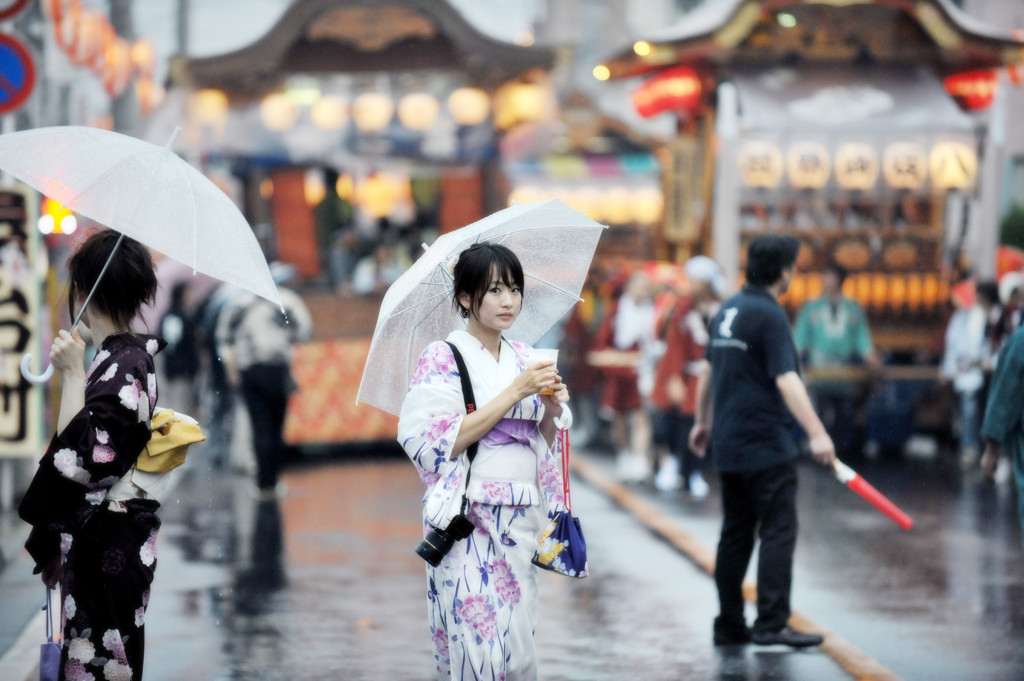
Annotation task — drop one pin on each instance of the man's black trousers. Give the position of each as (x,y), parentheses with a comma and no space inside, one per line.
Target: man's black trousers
(758,505)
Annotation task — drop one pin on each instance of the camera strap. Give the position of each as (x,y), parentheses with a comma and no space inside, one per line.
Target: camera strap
(467,395)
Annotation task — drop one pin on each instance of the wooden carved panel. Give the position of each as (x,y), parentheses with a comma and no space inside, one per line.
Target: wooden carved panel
(371,29)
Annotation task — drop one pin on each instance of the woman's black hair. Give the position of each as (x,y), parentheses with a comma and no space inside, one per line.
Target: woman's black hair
(473,272)
(128,284)
(768,255)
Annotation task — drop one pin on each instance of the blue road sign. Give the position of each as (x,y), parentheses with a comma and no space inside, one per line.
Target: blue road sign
(17,74)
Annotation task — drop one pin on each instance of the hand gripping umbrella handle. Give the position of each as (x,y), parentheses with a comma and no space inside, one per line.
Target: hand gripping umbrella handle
(46,375)
(34,378)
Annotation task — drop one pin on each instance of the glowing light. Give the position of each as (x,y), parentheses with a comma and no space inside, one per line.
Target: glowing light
(418,110)
(329,113)
(46,224)
(469,105)
(372,111)
(642,48)
(278,112)
(786,20)
(602,72)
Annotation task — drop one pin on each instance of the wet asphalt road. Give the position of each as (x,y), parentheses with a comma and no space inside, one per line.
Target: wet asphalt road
(324,583)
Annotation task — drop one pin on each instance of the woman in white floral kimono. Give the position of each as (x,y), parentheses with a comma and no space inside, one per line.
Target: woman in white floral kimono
(482,598)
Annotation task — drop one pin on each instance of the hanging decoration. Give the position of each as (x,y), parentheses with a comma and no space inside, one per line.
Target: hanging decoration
(89,40)
(676,89)
(973,90)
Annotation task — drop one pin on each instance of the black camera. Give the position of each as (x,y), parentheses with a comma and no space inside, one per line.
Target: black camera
(439,542)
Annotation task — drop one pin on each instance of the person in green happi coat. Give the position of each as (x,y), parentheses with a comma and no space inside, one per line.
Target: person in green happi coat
(831,332)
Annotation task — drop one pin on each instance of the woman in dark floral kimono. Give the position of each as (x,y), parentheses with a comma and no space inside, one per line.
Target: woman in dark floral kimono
(94,531)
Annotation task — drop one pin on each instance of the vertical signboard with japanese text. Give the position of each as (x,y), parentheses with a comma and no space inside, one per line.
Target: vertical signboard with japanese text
(20,404)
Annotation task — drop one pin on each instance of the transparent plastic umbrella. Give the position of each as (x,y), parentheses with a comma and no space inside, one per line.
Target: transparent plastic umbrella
(143,191)
(555,244)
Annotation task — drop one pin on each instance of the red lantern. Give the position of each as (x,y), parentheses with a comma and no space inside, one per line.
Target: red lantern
(973,90)
(675,89)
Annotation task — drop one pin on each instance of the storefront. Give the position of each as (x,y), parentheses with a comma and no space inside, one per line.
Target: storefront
(404,99)
(848,125)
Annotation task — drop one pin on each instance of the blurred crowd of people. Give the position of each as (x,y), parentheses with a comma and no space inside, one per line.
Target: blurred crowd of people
(228,363)
(636,345)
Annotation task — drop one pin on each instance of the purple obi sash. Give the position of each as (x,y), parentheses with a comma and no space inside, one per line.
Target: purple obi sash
(507,431)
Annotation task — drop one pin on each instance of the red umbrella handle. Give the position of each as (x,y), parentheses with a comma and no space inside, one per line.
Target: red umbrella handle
(564,436)
(854,481)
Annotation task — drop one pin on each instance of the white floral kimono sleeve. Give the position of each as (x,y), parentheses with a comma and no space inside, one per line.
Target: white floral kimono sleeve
(431,417)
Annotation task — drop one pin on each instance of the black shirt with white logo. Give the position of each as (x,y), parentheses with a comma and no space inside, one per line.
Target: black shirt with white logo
(751,345)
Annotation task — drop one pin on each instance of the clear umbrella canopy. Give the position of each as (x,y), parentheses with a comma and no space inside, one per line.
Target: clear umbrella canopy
(555,245)
(143,191)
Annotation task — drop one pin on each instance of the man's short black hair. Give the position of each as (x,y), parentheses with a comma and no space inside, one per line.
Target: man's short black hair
(768,255)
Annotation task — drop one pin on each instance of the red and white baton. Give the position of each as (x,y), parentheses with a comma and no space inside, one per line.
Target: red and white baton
(854,481)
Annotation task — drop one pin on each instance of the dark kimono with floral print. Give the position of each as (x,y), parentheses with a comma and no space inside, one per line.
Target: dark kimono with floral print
(108,548)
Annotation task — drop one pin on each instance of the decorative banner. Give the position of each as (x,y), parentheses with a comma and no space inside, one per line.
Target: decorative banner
(20,414)
(905,165)
(808,165)
(856,166)
(324,408)
(761,164)
(953,165)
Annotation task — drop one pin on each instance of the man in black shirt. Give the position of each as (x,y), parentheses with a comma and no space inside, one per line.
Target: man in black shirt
(747,397)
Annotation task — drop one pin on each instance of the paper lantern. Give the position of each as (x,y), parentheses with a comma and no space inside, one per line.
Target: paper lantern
(143,57)
(278,113)
(646,205)
(973,90)
(905,165)
(469,105)
(676,89)
(808,165)
(208,108)
(372,111)
(521,103)
(856,166)
(761,164)
(89,43)
(329,113)
(418,110)
(953,165)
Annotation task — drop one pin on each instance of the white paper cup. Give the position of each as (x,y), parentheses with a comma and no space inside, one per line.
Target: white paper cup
(543,355)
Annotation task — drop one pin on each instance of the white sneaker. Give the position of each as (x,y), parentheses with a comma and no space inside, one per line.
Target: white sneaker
(1003,471)
(630,467)
(624,466)
(698,486)
(667,478)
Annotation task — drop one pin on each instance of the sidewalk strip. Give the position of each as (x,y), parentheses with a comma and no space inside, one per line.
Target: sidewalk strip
(854,661)
(21,661)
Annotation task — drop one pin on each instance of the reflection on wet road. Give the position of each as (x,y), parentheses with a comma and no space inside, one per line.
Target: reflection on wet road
(324,583)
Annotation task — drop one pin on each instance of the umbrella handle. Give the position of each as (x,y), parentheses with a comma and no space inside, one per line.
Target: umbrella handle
(34,378)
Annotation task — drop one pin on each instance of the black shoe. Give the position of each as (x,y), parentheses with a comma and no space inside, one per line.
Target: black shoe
(787,636)
(733,636)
